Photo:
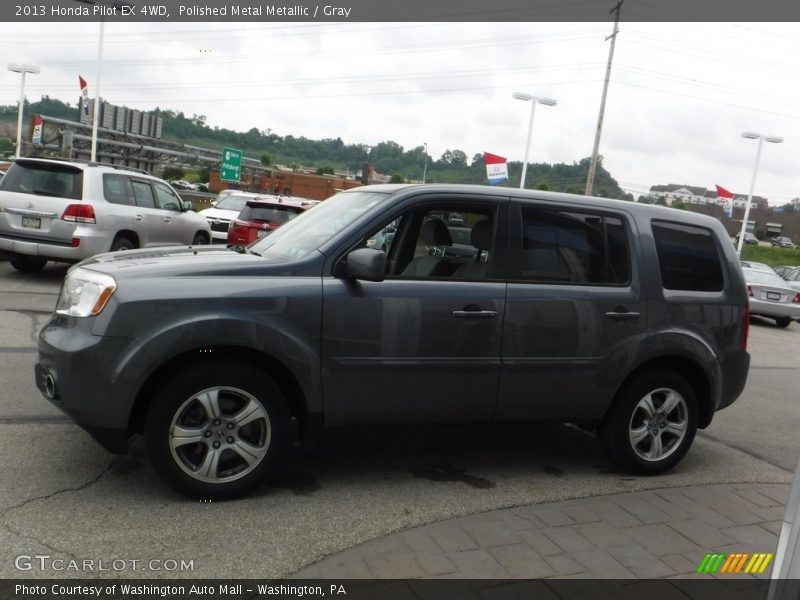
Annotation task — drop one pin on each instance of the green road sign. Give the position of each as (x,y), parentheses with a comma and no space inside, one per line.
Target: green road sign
(230,168)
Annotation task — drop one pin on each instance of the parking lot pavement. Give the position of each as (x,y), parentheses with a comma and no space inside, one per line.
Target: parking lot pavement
(70,499)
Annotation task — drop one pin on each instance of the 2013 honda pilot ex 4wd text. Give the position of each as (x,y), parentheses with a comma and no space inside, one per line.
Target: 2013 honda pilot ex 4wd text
(630,317)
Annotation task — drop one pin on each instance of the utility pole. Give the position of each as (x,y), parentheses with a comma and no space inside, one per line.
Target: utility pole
(595,150)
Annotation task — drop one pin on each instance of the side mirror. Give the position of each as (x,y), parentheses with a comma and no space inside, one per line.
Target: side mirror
(187,205)
(366,264)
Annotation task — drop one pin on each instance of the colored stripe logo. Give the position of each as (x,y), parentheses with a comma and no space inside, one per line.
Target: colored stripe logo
(735,562)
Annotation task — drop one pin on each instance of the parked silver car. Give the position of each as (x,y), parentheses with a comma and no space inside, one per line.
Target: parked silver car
(770,296)
(69,211)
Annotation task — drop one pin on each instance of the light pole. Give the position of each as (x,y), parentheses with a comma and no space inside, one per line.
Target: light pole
(534,100)
(750,135)
(22,70)
(425,169)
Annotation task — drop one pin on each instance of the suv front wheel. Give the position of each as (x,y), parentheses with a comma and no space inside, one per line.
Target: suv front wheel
(652,423)
(218,431)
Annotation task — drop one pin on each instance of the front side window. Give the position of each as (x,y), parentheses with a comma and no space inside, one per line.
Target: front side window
(167,198)
(687,257)
(561,246)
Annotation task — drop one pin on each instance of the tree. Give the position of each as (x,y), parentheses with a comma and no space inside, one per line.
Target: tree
(173,173)
(544,186)
(326,170)
(266,159)
(397,178)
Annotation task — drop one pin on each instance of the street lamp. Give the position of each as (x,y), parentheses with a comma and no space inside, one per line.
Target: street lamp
(750,135)
(534,100)
(22,70)
(425,169)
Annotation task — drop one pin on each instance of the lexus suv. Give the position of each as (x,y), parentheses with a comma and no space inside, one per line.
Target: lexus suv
(626,318)
(68,211)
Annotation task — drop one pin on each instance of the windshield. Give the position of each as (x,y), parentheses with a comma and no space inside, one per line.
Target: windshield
(314,227)
(232,202)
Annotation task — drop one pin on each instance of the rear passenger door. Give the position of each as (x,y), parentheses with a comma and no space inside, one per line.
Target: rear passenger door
(154,231)
(575,313)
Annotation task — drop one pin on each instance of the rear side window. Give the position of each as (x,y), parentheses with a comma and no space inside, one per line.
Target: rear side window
(44,179)
(687,257)
(143,194)
(573,247)
(117,189)
(268,214)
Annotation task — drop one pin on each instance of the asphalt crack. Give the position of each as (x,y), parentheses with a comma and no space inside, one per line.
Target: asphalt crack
(5,524)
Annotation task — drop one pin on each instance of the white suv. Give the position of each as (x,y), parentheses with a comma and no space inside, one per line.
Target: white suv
(67,211)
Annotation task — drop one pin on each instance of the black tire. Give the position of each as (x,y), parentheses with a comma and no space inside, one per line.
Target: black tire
(783,321)
(628,415)
(122,243)
(264,439)
(200,239)
(27,264)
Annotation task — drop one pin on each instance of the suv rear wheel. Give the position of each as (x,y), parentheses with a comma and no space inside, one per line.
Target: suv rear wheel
(217,432)
(783,321)
(27,264)
(122,243)
(652,423)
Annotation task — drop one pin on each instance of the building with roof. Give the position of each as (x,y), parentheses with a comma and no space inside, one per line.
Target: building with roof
(690,194)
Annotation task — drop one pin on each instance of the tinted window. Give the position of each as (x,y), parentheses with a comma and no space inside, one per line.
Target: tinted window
(167,198)
(143,194)
(277,215)
(45,179)
(573,247)
(117,189)
(687,257)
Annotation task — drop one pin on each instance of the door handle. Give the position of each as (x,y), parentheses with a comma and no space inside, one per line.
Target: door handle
(622,314)
(167,219)
(139,218)
(474,314)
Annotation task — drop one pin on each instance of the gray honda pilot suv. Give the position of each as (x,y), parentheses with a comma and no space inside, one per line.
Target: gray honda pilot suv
(630,318)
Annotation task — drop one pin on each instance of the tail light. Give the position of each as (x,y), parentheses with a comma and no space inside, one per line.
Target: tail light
(237,232)
(745,326)
(79,213)
(796,298)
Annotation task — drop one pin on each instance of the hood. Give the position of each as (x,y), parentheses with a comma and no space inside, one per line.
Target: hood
(219,213)
(174,261)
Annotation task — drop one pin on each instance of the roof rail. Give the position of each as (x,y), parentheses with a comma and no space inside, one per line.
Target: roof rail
(88,163)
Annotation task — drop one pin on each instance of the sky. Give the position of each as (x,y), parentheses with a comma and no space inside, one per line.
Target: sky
(680,95)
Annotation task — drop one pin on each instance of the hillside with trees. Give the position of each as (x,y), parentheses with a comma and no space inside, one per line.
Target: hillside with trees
(327,155)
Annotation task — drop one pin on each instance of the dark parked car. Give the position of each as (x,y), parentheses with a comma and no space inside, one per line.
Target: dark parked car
(749,239)
(626,317)
(262,216)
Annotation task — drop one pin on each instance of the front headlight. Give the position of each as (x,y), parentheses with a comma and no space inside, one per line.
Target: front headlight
(84,293)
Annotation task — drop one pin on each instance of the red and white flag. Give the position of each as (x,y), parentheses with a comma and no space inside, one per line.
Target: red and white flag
(726,200)
(496,168)
(84,94)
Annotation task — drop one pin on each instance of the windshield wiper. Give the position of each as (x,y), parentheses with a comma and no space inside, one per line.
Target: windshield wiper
(255,253)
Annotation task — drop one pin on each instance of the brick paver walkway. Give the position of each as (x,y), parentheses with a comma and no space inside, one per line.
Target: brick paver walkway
(650,534)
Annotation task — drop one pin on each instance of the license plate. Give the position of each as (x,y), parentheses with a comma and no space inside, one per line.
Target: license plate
(773,296)
(31,222)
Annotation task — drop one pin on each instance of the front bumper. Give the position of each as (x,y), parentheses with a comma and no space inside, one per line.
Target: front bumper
(93,378)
